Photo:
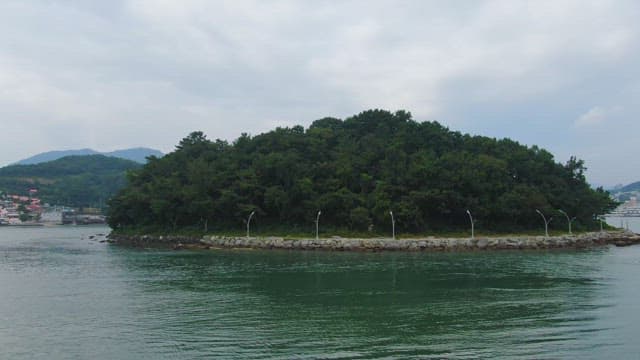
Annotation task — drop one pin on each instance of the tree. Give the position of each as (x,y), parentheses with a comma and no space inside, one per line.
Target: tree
(356,170)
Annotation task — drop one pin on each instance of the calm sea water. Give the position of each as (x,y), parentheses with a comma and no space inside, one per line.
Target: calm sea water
(65,296)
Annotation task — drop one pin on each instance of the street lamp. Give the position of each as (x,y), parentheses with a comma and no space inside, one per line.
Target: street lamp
(601,219)
(471,219)
(569,220)
(249,222)
(317,221)
(546,223)
(393,225)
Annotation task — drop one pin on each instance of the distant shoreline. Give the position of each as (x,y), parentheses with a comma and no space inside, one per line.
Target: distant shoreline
(49,224)
(429,244)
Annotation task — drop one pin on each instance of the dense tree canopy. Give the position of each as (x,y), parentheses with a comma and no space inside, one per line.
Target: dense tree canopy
(356,171)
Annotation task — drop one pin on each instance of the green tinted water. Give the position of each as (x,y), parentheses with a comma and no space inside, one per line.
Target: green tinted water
(64,296)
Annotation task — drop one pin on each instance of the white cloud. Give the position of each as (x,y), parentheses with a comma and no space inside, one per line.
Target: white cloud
(128,73)
(597,116)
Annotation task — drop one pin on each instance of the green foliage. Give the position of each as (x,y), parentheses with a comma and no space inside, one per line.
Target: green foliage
(356,171)
(78,181)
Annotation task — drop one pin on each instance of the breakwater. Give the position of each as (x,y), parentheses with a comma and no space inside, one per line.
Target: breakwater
(618,238)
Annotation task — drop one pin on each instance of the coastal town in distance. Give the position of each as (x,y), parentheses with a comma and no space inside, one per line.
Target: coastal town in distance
(21,210)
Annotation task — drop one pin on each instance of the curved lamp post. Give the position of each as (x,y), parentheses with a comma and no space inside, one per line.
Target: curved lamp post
(569,220)
(317,221)
(546,223)
(249,222)
(393,226)
(601,221)
(471,219)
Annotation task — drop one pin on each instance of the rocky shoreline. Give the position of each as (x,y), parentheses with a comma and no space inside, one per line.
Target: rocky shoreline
(617,238)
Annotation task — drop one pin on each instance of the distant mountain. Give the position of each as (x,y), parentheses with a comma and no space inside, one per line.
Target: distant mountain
(138,155)
(78,181)
(54,155)
(624,193)
(631,187)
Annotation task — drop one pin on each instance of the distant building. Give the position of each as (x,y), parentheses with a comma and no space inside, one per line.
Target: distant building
(53,216)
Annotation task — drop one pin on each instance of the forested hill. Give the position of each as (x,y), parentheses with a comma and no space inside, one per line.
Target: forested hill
(625,193)
(356,171)
(78,181)
(631,187)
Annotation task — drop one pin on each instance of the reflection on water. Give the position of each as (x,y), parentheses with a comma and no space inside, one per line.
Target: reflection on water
(69,297)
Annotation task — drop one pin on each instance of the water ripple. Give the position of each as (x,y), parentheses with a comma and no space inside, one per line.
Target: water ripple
(65,297)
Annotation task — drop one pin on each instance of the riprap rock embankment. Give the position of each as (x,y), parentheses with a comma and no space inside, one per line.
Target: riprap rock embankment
(426,244)
(618,238)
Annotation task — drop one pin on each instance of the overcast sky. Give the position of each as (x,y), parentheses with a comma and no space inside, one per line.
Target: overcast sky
(564,75)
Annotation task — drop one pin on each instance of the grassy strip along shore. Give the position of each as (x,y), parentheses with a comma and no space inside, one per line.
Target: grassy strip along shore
(618,238)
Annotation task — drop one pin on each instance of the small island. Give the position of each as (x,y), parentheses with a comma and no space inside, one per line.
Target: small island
(372,175)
